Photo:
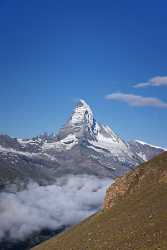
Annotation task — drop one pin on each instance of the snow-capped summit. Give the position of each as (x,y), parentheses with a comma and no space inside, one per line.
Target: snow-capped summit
(82,134)
(81,113)
(83,126)
(81,123)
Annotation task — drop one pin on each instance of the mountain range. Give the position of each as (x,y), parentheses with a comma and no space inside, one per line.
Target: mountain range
(82,146)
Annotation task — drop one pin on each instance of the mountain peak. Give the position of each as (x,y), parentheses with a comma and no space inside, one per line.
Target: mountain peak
(82,102)
(81,122)
(84,127)
(81,112)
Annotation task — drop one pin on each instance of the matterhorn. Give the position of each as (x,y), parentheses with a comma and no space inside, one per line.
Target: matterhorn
(82,146)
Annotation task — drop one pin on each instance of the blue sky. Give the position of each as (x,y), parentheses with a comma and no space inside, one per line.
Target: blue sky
(54,52)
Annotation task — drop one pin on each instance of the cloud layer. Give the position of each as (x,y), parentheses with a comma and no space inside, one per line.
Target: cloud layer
(137,100)
(154,81)
(70,200)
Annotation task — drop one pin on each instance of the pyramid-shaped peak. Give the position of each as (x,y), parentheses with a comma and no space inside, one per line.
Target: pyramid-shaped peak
(83,125)
(81,122)
(81,109)
(82,103)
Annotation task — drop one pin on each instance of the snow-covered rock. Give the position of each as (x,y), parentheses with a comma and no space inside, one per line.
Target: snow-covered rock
(145,150)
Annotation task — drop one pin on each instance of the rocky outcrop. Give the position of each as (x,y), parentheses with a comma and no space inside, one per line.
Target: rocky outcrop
(121,188)
(137,180)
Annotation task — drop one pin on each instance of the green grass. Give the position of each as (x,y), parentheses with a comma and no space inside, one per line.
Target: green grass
(136,222)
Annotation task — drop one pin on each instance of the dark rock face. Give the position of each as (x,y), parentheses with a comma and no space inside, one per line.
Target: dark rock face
(8,142)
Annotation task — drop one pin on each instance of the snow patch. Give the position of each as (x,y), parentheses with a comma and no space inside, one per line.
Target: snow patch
(143,156)
(81,112)
(6,151)
(65,144)
(147,144)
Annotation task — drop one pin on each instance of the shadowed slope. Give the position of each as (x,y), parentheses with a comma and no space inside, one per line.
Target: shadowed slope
(135,217)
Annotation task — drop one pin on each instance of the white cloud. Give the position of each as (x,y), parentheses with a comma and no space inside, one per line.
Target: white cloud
(67,202)
(137,100)
(154,81)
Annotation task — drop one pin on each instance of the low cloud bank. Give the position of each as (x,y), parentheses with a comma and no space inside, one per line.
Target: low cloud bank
(67,202)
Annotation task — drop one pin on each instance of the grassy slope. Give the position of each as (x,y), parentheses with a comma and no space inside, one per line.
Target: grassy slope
(139,221)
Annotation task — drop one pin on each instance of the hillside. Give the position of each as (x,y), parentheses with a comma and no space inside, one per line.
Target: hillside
(134,215)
